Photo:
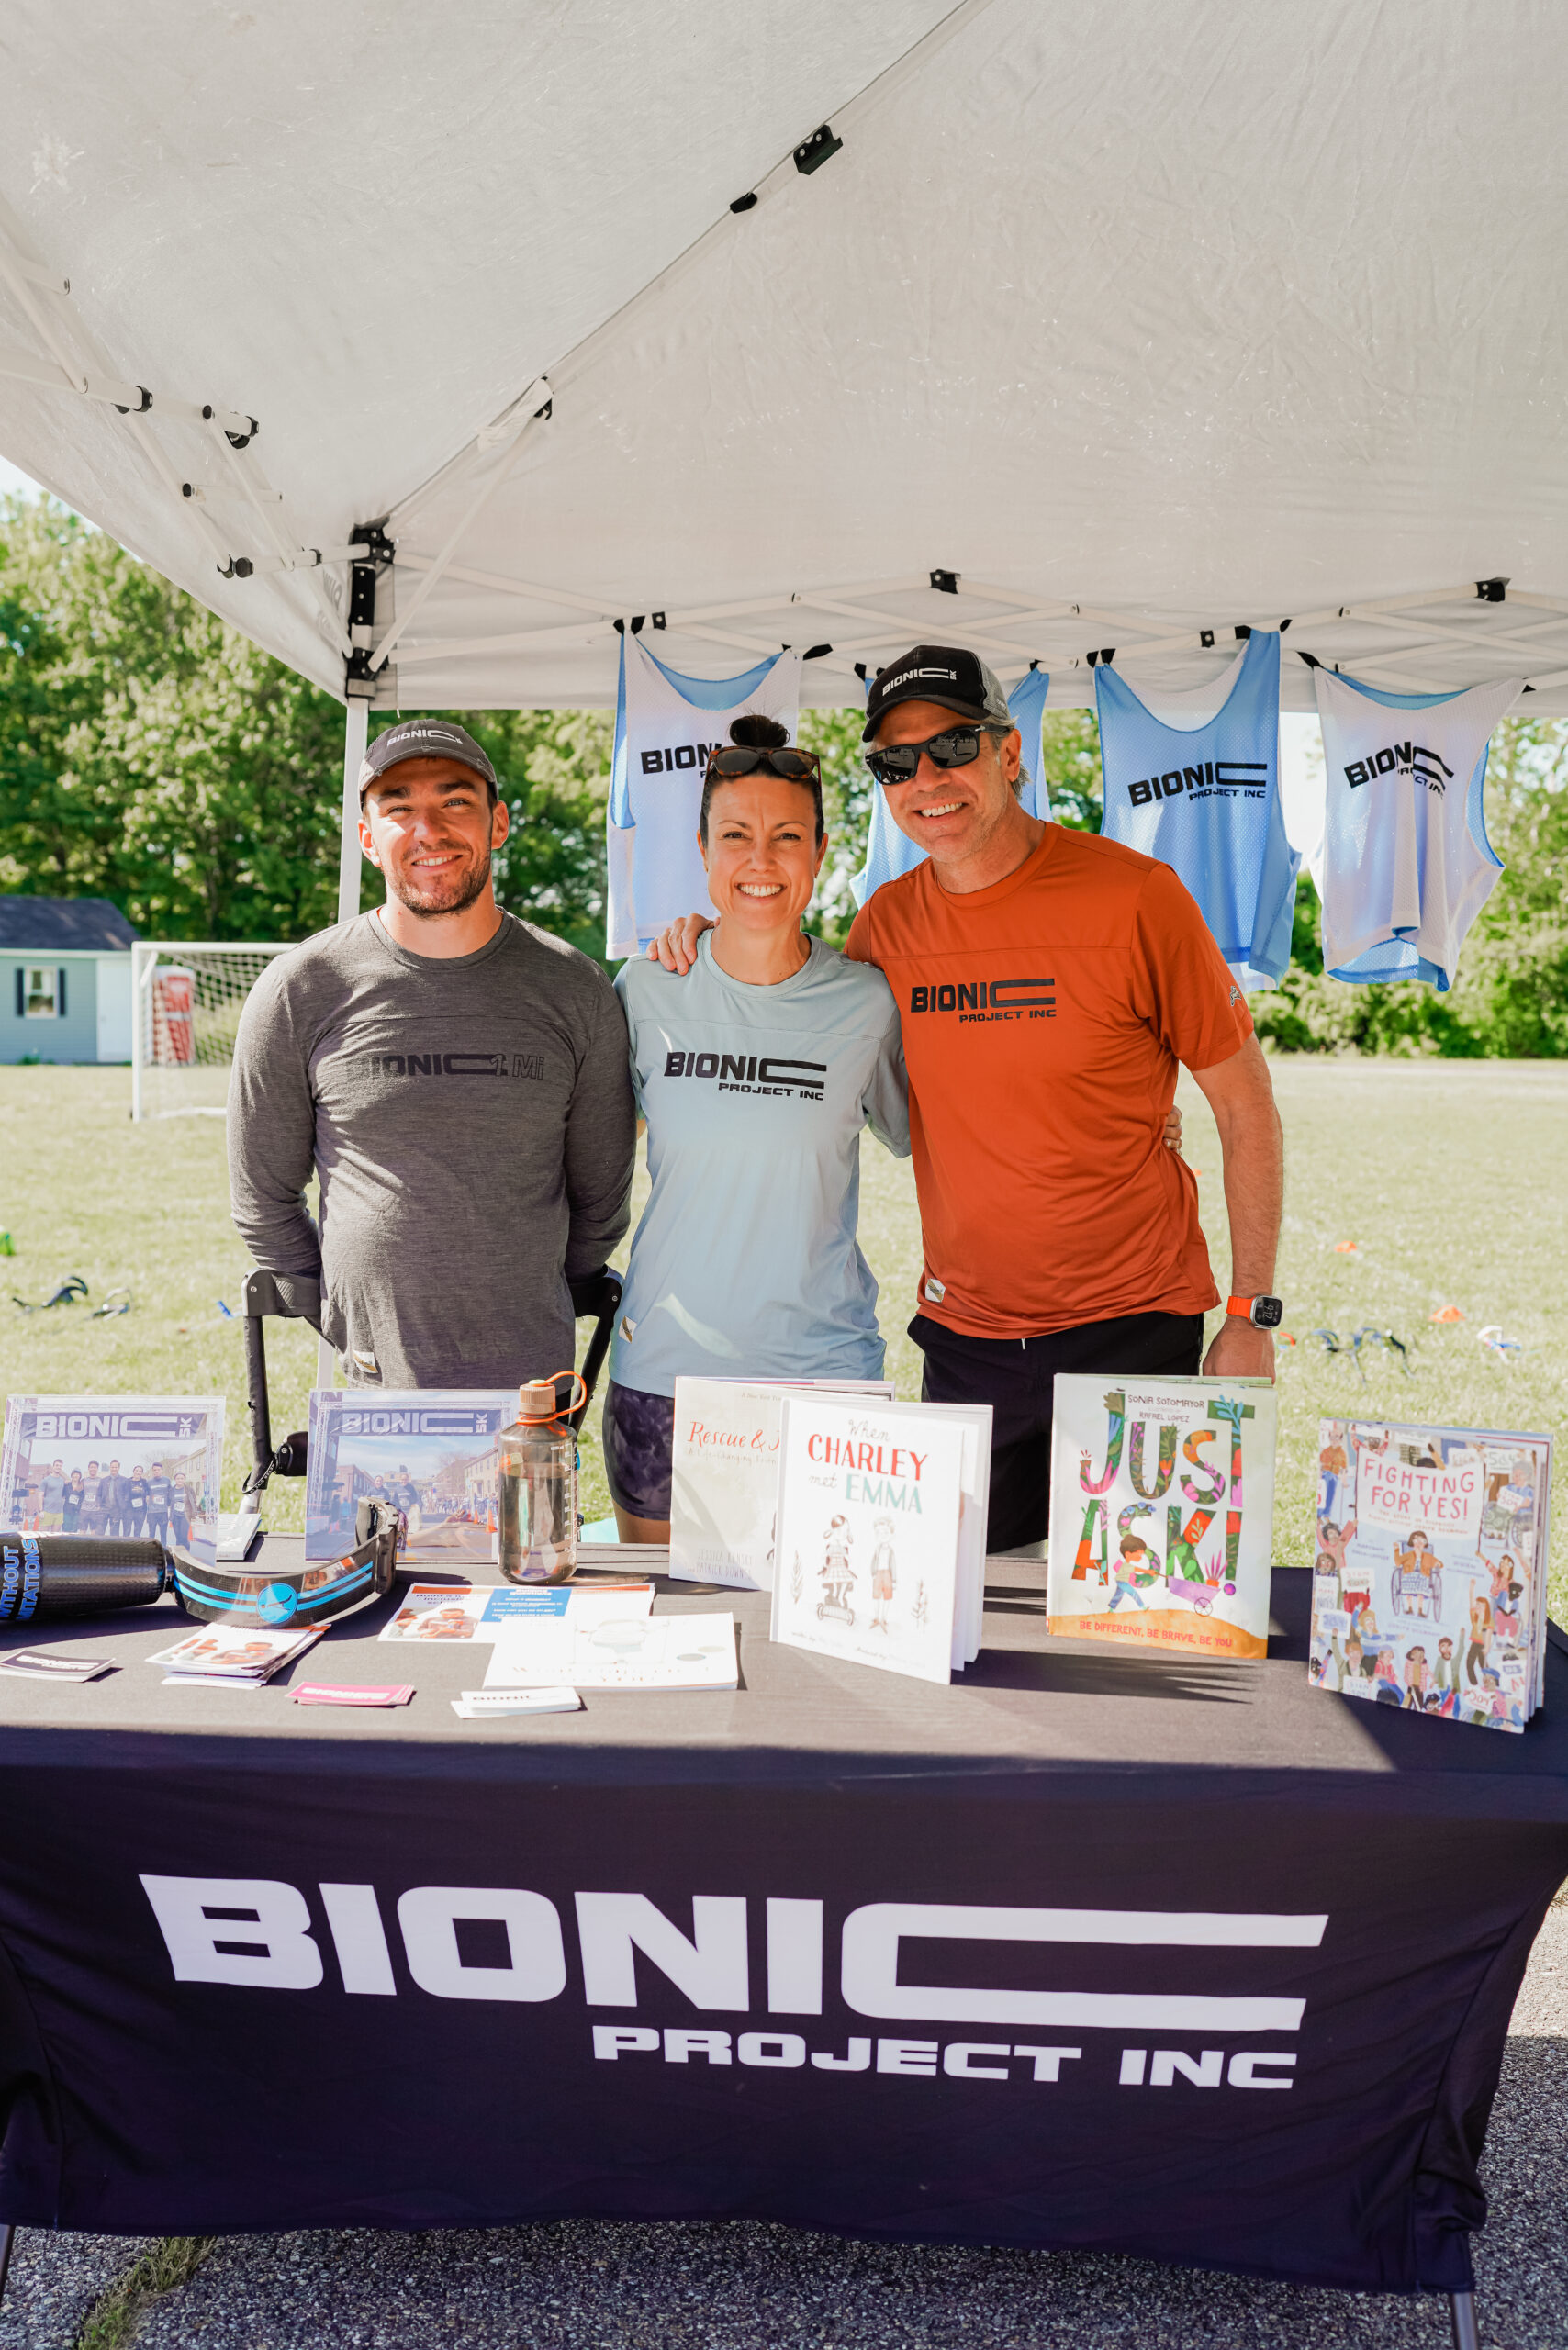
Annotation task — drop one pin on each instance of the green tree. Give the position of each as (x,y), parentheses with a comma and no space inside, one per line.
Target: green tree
(149,753)
(152,755)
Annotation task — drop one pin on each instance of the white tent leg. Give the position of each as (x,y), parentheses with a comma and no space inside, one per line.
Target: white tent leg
(356,729)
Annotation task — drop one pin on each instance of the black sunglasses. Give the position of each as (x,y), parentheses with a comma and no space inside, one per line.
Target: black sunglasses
(955,747)
(793,767)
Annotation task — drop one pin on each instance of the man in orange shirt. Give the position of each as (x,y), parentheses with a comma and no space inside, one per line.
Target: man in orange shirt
(1048,983)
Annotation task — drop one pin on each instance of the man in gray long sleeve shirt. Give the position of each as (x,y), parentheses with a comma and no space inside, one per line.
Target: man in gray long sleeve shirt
(459,1080)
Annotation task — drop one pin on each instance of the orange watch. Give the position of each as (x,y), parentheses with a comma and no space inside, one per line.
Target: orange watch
(1263,1312)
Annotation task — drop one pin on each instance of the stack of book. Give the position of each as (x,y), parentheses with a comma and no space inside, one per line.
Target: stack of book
(724,1473)
(864,1518)
(881,1532)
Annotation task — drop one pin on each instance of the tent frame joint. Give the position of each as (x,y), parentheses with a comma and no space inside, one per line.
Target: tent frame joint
(373,555)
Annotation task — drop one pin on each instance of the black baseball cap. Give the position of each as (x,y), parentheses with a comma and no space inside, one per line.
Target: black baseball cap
(947,674)
(423,738)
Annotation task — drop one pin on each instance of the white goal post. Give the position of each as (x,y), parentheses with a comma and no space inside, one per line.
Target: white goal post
(186,997)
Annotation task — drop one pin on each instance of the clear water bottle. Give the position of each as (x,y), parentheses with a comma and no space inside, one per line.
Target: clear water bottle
(538,1482)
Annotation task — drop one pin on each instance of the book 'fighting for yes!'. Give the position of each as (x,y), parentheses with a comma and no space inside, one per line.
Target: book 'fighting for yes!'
(119,1467)
(1162,1511)
(881,1532)
(724,1474)
(430,1452)
(1428,1588)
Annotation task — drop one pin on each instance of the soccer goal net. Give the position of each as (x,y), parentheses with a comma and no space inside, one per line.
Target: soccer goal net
(186,997)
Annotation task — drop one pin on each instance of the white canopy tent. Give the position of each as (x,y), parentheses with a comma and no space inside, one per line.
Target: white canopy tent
(1055,330)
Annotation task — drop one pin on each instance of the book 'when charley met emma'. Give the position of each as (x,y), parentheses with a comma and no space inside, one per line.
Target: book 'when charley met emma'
(1162,1513)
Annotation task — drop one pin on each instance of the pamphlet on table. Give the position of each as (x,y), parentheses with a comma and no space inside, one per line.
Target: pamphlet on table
(430,1452)
(1430,1584)
(353,1693)
(1162,1513)
(626,1652)
(125,1468)
(227,1656)
(724,1474)
(881,1532)
(485,1704)
(448,1611)
(54,1664)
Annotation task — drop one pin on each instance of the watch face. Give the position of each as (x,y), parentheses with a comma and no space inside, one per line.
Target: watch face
(1268,1312)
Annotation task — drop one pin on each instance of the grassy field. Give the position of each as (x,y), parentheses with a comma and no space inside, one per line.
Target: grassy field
(1446,1175)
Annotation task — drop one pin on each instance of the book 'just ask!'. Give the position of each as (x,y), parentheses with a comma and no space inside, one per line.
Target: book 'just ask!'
(1162,1513)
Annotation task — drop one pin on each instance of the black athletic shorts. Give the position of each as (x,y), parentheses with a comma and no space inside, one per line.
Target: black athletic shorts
(1014,1376)
(638,1432)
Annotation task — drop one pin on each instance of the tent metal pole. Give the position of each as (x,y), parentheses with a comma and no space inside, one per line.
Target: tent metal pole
(356,729)
(139,956)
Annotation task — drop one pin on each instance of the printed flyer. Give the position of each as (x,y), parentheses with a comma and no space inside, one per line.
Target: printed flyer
(118,1467)
(628,1652)
(724,1474)
(1430,1583)
(1162,1513)
(455,1611)
(430,1453)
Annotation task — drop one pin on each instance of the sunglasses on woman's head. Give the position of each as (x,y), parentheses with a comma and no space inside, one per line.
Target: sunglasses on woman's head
(955,747)
(793,767)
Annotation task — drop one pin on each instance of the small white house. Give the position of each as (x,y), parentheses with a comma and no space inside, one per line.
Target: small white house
(64,979)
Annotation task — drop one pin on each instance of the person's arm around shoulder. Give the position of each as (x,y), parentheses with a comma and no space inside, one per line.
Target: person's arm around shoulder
(271,1128)
(885,1099)
(676,946)
(1200,1012)
(601,1145)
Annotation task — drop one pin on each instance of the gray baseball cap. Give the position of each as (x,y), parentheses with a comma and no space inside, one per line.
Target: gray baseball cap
(424,738)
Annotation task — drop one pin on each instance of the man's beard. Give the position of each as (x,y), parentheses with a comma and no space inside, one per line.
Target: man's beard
(428,904)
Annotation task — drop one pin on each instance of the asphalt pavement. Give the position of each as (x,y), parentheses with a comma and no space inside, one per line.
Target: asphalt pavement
(743,2286)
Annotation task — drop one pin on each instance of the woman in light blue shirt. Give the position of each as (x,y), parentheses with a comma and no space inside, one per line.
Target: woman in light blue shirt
(755,1074)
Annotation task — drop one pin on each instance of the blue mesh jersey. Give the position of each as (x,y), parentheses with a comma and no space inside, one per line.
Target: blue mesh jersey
(1205,801)
(1407,863)
(890,852)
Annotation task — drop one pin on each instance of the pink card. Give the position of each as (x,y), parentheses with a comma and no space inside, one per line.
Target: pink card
(327,1692)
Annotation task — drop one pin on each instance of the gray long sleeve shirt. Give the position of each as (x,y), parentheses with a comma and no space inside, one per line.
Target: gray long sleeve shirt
(472,1124)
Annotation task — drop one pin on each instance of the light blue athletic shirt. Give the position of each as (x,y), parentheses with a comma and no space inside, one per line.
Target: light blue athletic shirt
(744,1264)
(1207,800)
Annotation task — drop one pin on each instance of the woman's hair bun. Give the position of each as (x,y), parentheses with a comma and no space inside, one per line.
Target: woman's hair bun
(753,732)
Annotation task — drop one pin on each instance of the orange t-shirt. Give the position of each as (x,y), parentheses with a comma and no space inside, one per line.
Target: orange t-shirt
(1043,1020)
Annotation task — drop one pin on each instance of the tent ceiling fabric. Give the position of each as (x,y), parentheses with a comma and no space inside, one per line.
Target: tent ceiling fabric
(1143,321)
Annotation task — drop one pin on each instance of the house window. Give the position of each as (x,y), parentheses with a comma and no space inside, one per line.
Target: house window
(40,991)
